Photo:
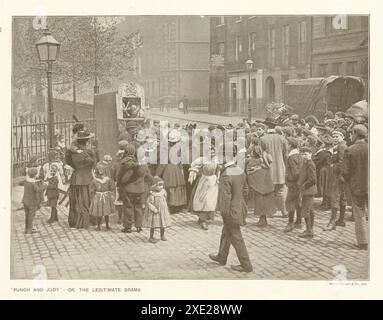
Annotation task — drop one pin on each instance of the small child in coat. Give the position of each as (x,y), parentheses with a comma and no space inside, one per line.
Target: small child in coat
(157,212)
(33,188)
(103,200)
(307,190)
(52,192)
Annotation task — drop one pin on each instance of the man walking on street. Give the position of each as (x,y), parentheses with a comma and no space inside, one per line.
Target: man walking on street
(233,209)
(355,172)
(276,145)
(185,102)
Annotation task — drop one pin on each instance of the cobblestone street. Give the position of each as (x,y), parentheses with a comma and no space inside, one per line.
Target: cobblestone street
(89,254)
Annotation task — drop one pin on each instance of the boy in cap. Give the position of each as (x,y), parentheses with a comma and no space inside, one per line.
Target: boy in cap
(338,199)
(293,167)
(33,188)
(311,122)
(307,190)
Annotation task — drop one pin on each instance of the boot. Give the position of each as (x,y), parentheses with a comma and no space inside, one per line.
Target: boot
(52,218)
(308,233)
(119,211)
(312,218)
(298,222)
(56,217)
(99,219)
(262,222)
(204,226)
(151,238)
(340,222)
(331,225)
(290,224)
(107,222)
(162,231)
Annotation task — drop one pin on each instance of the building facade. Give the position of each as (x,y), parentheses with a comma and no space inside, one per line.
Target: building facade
(340,46)
(279,47)
(282,48)
(174,58)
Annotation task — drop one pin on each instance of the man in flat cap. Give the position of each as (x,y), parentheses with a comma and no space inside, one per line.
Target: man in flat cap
(338,199)
(355,172)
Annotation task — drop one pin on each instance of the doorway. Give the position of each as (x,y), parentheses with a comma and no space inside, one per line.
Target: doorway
(233,104)
(270,89)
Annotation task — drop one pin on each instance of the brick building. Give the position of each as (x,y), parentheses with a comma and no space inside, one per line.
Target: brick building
(174,58)
(340,46)
(280,48)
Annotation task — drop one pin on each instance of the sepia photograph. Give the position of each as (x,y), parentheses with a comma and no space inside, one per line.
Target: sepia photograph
(190,147)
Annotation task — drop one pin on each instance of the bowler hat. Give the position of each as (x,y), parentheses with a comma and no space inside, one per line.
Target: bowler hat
(312,118)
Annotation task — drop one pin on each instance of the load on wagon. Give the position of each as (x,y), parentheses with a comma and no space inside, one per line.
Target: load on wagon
(317,95)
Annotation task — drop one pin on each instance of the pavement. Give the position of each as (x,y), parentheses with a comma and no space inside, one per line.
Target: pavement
(67,253)
(203,118)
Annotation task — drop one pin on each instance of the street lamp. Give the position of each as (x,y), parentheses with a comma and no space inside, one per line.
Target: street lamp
(48,50)
(249,67)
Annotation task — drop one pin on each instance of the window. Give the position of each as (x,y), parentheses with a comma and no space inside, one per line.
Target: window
(302,42)
(220,89)
(272,48)
(323,70)
(285,77)
(286,45)
(252,39)
(221,48)
(352,68)
(335,68)
(253,88)
(243,87)
(238,47)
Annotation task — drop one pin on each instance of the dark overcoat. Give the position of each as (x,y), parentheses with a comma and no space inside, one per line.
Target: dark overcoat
(231,201)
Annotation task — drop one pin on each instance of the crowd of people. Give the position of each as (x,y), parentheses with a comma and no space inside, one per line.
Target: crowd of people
(289,161)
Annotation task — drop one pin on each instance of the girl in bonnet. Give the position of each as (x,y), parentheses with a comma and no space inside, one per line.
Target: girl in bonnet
(156,212)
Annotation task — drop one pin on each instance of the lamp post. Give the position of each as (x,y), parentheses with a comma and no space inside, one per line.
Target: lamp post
(249,67)
(48,50)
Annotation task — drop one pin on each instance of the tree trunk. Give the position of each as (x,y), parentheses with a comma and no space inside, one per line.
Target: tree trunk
(74,98)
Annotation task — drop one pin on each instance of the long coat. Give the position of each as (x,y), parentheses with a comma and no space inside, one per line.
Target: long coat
(231,201)
(276,145)
(355,168)
(82,164)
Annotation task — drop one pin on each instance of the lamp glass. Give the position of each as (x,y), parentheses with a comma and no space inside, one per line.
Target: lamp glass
(53,52)
(42,50)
